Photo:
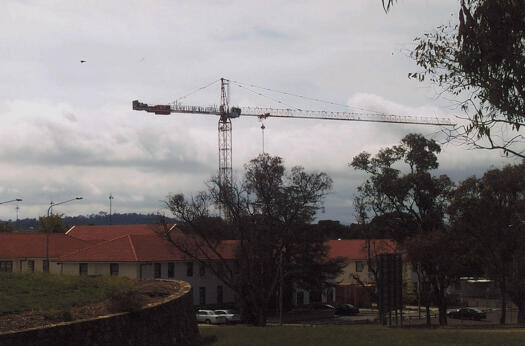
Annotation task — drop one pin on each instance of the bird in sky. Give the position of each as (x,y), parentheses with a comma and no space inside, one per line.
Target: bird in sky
(82,61)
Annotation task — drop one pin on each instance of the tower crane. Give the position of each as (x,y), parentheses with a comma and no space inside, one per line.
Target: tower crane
(227,113)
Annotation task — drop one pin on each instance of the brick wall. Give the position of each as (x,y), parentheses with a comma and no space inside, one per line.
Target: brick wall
(167,322)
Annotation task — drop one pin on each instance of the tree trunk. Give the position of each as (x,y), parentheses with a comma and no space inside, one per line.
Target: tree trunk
(442,304)
(443,315)
(261,318)
(503,290)
(521,313)
(427,308)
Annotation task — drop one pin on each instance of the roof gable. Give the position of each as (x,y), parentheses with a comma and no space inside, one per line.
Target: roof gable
(116,250)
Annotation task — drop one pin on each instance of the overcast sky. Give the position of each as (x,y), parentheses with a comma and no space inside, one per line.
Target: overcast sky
(68,129)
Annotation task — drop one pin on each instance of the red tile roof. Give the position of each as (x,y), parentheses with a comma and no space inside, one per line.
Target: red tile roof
(140,248)
(356,248)
(33,245)
(111,232)
(142,243)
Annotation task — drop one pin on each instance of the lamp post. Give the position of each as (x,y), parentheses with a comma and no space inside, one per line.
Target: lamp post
(46,267)
(13,200)
(110,199)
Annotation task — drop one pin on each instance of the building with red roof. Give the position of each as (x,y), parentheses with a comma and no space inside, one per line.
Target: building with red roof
(27,251)
(142,252)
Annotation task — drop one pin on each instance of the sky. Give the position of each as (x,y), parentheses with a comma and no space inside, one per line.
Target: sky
(68,129)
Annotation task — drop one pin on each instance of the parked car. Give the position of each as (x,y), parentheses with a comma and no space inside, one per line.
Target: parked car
(230,315)
(467,314)
(321,306)
(346,309)
(209,317)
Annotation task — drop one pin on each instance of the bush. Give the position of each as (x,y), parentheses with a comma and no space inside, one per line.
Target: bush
(58,315)
(125,301)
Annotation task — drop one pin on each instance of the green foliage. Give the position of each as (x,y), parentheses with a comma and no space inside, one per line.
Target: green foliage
(52,224)
(411,200)
(411,205)
(490,212)
(269,212)
(482,60)
(5,227)
(58,315)
(355,335)
(43,291)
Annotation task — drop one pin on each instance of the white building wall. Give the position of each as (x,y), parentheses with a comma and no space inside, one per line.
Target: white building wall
(146,270)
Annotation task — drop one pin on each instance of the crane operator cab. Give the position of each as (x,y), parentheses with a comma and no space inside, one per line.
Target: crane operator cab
(235,112)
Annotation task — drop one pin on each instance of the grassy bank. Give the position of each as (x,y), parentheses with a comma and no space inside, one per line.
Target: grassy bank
(356,335)
(39,291)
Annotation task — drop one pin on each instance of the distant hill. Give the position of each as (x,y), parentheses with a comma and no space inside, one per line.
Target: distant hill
(95,219)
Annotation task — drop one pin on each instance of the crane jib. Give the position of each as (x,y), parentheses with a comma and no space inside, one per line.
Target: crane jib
(262,113)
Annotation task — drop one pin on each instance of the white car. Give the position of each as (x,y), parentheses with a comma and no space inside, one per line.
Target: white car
(209,317)
(230,315)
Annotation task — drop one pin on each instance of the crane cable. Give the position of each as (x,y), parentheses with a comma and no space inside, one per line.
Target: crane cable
(310,98)
(266,96)
(196,90)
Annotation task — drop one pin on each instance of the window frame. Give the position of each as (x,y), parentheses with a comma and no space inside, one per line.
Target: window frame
(157,270)
(31,266)
(112,271)
(81,266)
(171,270)
(189,269)
(45,266)
(6,266)
(359,266)
(220,294)
(202,295)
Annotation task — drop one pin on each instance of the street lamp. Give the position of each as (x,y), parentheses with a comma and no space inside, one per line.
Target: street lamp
(13,200)
(46,267)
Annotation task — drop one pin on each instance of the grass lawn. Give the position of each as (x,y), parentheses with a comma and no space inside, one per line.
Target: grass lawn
(356,335)
(41,291)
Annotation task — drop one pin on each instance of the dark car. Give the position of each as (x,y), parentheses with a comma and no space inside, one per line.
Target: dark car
(467,314)
(346,309)
(321,306)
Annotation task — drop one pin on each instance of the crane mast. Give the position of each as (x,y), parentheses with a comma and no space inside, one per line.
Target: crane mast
(226,113)
(225,136)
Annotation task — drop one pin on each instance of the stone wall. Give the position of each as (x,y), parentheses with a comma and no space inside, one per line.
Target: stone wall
(167,322)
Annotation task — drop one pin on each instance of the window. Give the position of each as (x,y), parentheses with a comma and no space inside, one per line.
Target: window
(202,295)
(219,294)
(359,266)
(6,266)
(237,266)
(45,266)
(82,268)
(220,269)
(300,298)
(315,296)
(202,269)
(113,269)
(171,270)
(157,271)
(31,266)
(189,269)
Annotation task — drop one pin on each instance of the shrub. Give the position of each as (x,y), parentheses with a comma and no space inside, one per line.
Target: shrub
(126,300)
(58,315)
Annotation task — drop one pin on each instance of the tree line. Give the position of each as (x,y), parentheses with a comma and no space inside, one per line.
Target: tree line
(61,223)
(447,230)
